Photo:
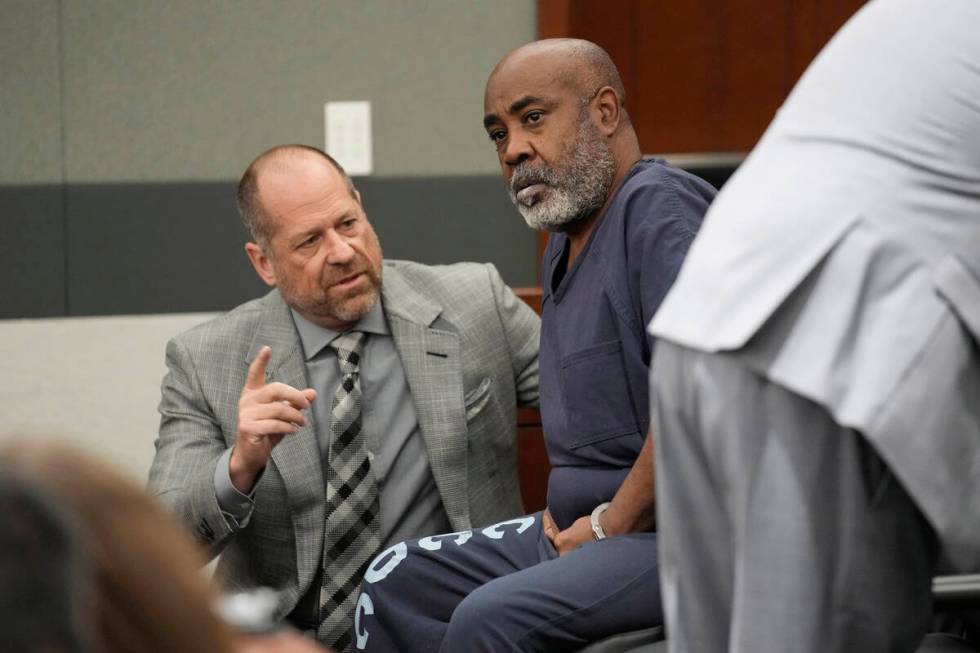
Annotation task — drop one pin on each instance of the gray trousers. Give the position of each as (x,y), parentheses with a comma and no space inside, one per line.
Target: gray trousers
(780,530)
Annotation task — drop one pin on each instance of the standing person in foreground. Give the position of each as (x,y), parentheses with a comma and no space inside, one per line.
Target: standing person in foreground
(585,568)
(303,431)
(817,377)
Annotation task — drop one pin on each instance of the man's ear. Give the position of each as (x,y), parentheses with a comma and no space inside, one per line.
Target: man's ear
(261,262)
(610,111)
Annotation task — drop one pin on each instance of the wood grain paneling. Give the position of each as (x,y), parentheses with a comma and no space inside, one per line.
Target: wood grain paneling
(708,79)
(702,75)
(808,28)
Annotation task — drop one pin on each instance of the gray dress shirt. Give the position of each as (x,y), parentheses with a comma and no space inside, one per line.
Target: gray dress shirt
(410,502)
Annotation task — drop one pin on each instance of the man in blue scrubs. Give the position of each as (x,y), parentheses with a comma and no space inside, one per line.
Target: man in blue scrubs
(585,568)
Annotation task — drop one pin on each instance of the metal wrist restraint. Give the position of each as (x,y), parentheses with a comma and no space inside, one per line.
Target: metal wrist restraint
(597,531)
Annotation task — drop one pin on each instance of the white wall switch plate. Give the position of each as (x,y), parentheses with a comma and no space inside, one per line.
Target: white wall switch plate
(348,135)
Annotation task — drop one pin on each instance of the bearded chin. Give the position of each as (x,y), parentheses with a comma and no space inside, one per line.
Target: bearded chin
(576,188)
(353,307)
(347,308)
(554,213)
(352,311)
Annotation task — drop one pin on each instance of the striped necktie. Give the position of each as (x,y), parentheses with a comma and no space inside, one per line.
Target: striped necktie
(352,536)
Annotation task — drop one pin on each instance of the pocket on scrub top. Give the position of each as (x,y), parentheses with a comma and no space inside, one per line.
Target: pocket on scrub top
(597,401)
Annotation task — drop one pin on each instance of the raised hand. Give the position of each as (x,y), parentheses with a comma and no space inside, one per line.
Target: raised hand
(267,412)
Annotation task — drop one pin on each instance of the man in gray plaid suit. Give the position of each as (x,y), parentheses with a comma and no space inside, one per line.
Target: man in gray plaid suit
(392,403)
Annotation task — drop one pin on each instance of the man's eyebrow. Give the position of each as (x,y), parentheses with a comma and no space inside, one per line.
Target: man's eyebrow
(523,103)
(490,119)
(515,107)
(300,236)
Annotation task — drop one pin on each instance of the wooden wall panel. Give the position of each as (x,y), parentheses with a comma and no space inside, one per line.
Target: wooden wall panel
(701,75)
(808,28)
(555,19)
(711,75)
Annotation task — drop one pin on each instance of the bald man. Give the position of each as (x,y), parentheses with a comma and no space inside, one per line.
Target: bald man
(358,403)
(620,226)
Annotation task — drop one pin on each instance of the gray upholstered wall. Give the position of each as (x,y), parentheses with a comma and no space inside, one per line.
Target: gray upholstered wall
(124,125)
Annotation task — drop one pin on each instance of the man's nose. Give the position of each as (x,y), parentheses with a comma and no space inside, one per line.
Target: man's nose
(517,151)
(339,250)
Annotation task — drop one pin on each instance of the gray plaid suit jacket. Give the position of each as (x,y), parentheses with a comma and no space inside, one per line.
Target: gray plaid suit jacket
(469,348)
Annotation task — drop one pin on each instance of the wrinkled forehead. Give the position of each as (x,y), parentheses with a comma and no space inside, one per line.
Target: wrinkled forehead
(295,178)
(302,187)
(537,74)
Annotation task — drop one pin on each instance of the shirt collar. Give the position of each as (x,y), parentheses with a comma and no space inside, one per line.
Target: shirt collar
(315,337)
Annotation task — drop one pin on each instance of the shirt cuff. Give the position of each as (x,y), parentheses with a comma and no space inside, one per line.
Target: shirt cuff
(235,506)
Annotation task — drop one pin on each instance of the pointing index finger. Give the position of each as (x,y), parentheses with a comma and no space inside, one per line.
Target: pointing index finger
(256,371)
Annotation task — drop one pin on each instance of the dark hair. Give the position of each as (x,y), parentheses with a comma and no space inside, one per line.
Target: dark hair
(249,206)
(40,571)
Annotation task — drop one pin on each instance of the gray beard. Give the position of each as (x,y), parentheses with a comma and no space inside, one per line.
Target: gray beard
(329,309)
(577,186)
(334,309)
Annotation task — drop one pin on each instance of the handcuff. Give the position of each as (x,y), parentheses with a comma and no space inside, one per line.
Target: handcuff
(597,532)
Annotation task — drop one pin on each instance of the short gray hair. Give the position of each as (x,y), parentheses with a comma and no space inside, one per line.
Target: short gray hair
(249,206)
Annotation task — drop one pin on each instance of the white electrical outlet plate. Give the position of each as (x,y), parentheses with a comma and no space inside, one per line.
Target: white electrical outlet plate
(348,135)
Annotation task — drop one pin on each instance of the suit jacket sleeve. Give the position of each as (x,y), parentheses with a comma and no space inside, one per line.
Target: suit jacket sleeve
(522,329)
(189,445)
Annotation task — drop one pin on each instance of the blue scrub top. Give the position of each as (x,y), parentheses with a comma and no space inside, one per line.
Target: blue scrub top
(595,353)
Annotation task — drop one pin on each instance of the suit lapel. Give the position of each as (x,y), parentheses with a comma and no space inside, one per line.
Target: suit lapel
(297,456)
(430,357)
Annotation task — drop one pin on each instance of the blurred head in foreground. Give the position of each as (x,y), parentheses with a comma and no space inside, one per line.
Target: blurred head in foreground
(89,562)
